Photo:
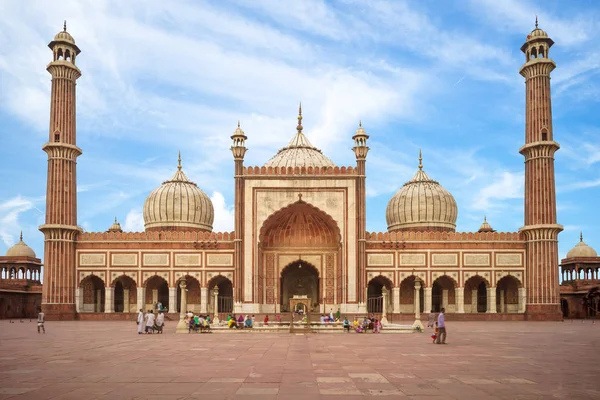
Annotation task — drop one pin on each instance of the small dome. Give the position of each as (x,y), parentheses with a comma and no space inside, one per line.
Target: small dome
(178,204)
(64,36)
(485,226)
(20,250)
(581,250)
(115,227)
(422,204)
(299,152)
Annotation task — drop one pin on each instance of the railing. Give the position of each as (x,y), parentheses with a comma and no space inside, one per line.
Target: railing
(225,304)
(375,304)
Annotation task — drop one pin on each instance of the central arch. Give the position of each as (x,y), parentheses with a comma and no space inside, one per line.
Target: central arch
(299,278)
(299,242)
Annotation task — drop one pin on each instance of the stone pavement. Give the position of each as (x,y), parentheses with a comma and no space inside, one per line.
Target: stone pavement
(483,360)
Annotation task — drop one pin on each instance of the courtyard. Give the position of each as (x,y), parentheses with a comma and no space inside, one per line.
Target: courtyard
(482,360)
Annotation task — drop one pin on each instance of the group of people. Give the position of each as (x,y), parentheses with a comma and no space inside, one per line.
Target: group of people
(367,323)
(243,322)
(149,322)
(196,321)
(439,326)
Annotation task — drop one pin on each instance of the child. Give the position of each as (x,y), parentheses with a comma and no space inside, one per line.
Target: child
(435,333)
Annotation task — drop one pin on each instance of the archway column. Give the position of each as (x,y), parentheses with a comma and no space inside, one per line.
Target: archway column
(385,294)
(396,299)
(460,299)
(141,298)
(418,324)
(79,299)
(522,299)
(126,307)
(491,300)
(204,300)
(215,294)
(109,305)
(427,293)
(182,325)
(172,307)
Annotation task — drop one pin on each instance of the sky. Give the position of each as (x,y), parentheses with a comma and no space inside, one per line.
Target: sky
(163,76)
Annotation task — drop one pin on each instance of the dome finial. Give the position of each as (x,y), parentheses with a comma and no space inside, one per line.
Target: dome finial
(484,218)
(299,127)
(21,237)
(238,123)
(536,22)
(420,160)
(581,236)
(360,123)
(65,26)
(115,220)
(179,160)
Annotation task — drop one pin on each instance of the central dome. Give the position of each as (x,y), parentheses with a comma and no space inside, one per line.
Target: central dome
(422,204)
(178,205)
(299,152)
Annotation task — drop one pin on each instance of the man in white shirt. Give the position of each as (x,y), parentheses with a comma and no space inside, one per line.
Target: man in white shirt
(441,323)
(41,320)
(150,318)
(140,322)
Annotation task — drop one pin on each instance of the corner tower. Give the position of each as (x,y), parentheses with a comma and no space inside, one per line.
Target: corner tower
(541,229)
(60,228)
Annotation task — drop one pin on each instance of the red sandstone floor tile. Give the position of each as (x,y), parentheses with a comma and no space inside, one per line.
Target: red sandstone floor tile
(505,360)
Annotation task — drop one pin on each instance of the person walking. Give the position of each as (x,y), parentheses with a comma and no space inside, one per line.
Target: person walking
(431,319)
(441,325)
(41,320)
(150,318)
(140,322)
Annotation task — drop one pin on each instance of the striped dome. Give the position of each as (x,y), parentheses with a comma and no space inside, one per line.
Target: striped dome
(422,204)
(178,204)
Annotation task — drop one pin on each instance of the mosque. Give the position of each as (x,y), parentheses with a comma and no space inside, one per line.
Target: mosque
(300,232)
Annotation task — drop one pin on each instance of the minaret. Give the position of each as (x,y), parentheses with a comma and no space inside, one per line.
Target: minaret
(60,229)
(541,229)
(238,148)
(360,151)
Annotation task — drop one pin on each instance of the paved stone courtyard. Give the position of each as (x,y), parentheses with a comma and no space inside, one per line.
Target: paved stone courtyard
(482,360)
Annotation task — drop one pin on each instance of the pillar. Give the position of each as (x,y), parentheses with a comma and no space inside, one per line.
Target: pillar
(460,299)
(182,326)
(109,305)
(216,304)
(386,294)
(427,307)
(445,298)
(98,302)
(474,300)
(126,307)
(79,297)
(418,325)
(491,295)
(204,300)
(522,300)
(172,306)
(502,305)
(396,300)
(141,298)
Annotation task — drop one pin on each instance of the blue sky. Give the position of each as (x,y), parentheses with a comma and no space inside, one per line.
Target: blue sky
(161,76)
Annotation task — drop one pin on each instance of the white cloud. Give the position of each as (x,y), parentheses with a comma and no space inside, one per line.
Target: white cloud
(10,224)
(507,185)
(134,221)
(224,214)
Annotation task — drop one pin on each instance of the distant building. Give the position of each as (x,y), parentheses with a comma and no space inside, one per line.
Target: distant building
(580,277)
(300,229)
(20,286)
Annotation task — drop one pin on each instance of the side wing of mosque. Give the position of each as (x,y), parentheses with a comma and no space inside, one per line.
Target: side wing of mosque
(300,232)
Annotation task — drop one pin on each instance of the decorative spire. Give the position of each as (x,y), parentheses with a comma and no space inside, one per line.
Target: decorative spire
(581,236)
(65,26)
(115,220)
(179,160)
(238,123)
(299,127)
(21,237)
(536,22)
(484,218)
(360,123)
(420,160)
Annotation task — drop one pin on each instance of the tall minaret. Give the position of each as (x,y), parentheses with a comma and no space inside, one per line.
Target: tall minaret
(238,148)
(540,229)
(60,229)
(360,151)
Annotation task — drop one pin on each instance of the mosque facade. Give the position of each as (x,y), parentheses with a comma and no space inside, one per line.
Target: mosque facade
(300,230)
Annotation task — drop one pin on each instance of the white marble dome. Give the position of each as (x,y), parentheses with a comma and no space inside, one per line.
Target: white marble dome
(178,204)
(20,250)
(581,249)
(299,152)
(422,204)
